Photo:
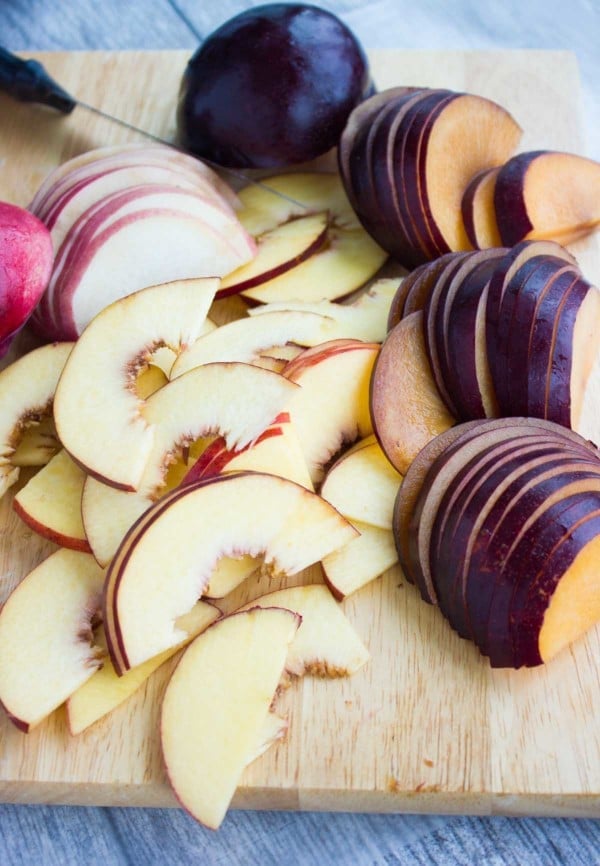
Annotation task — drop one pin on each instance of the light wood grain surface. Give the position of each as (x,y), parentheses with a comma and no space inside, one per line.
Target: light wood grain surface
(427,726)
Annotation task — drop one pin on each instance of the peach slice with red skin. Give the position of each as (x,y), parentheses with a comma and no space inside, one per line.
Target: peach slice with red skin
(27,389)
(46,641)
(124,335)
(291,526)
(348,258)
(50,503)
(331,407)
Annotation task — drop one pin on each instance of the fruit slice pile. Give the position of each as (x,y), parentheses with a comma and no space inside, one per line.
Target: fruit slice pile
(144,215)
(432,171)
(487,334)
(212,462)
(498,523)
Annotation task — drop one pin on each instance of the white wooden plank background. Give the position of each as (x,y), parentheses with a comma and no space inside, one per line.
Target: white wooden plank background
(66,835)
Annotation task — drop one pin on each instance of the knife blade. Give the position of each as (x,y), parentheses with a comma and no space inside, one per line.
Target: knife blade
(29,81)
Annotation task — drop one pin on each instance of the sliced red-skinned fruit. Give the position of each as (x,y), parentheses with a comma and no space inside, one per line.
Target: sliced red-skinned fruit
(462,522)
(348,258)
(277,252)
(470,134)
(421,289)
(293,528)
(121,155)
(409,159)
(562,511)
(441,472)
(496,313)
(406,408)
(380,211)
(27,388)
(451,274)
(393,184)
(478,211)
(519,313)
(244,339)
(363,115)
(546,194)
(543,629)
(455,335)
(50,503)
(410,490)
(331,407)
(396,311)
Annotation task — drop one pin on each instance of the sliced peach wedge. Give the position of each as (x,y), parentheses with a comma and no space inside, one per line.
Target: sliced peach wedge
(363,319)
(331,408)
(236,401)
(277,251)
(348,258)
(27,389)
(146,589)
(50,503)
(97,388)
(244,339)
(217,704)
(105,691)
(326,645)
(362,485)
(46,644)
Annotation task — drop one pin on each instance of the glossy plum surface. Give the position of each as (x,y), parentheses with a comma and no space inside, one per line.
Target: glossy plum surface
(271,87)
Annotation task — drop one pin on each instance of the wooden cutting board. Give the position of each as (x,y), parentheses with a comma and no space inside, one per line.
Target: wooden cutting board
(426,726)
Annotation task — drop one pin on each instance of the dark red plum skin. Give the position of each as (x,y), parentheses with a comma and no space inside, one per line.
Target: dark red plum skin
(471,490)
(548,316)
(526,618)
(457,333)
(522,297)
(510,207)
(532,560)
(271,87)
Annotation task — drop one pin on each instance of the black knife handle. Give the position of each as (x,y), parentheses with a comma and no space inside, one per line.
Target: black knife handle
(28,81)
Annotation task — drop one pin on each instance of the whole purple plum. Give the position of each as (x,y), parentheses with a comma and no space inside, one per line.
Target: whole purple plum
(271,87)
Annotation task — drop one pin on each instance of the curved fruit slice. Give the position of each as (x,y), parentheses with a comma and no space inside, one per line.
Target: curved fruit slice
(544,194)
(500,302)
(278,251)
(50,503)
(331,408)
(359,561)
(216,705)
(363,486)
(406,407)
(46,644)
(470,134)
(152,236)
(478,211)
(147,589)
(112,156)
(325,645)
(105,691)
(349,257)
(244,339)
(440,475)
(96,391)
(238,401)
(364,319)
(27,390)
(410,490)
